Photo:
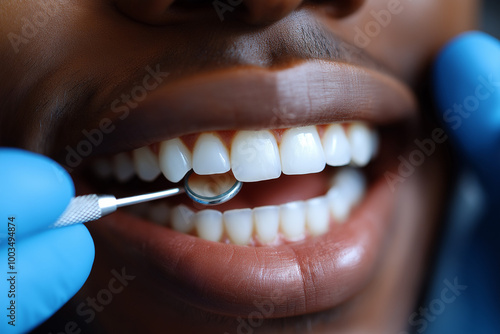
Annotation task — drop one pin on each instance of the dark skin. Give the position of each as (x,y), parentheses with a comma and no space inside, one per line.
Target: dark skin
(65,77)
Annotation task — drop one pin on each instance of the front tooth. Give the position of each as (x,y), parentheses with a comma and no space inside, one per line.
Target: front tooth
(267,220)
(255,156)
(146,164)
(210,156)
(181,218)
(175,159)
(239,225)
(123,167)
(301,151)
(208,224)
(293,220)
(336,146)
(318,216)
(360,139)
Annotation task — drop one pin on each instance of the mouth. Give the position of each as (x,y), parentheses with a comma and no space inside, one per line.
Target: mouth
(308,228)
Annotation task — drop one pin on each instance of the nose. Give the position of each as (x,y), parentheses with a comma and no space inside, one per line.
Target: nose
(251,11)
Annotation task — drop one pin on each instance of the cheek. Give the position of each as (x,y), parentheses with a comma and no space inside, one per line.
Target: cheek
(405,34)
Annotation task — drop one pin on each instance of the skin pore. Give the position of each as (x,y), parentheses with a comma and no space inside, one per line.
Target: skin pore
(64,74)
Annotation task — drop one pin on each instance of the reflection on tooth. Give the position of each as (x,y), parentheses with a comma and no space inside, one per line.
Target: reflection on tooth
(267,219)
(336,146)
(255,156)
(181,219)
(159,213)
(210,156)
(339,205)
(239,225)
(123,167)
(318,215)
(146,164)
(209,224)
(351,183)
(360,139)
(301,151)
(175,159)
(293,220)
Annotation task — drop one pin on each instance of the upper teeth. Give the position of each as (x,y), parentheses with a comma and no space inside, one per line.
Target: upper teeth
(254,155)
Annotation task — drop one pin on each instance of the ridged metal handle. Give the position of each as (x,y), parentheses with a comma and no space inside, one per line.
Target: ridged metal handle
(86,208)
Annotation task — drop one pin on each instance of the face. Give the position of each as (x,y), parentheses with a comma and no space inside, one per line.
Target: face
(130,95)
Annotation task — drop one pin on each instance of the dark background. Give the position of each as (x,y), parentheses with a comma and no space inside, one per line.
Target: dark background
(491,17)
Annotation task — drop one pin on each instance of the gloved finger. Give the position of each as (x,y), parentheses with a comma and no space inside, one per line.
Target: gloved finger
(467,92)
(50,268)
(35,190)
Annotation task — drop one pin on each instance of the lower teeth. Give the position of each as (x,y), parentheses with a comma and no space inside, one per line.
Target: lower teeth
(269,224)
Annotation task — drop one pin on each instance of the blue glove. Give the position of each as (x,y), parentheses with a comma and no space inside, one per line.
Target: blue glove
(49,265)
(467,90)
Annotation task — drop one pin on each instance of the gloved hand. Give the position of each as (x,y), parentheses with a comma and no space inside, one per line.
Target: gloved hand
(49,265)
(467,91)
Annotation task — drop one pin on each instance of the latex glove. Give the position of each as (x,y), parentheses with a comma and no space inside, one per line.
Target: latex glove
(51,264)
(467,91)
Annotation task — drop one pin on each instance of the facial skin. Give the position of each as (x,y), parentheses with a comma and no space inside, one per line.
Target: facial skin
(63,77)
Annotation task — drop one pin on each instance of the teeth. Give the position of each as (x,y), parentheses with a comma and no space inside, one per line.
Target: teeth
(349,186)
(208,224)
(123,167)
(317,215)
(336,146)
(267,220)
(181,218)
(146,164)
(239,225)
(175,159)
(301,151)
(293,220)
(210,156)
(255,156)
(360,139)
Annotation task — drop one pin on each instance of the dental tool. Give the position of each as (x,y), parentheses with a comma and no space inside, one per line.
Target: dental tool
(92,207)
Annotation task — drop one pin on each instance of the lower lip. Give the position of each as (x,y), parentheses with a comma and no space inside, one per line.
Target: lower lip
(299,278)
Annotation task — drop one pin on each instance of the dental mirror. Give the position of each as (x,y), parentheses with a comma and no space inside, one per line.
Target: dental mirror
(203,189)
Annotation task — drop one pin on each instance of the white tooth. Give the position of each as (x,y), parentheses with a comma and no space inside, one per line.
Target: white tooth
(360,139)
(351,183)
(340,206)
(181,219)
(239,225)
(175,159)
(336,146)
(318,215)
(209,224)
(293,220)
(146,164)
(267,219)
(158,213)
(301,151)
(123,167)
(255,156)
(210,156)
(102,168)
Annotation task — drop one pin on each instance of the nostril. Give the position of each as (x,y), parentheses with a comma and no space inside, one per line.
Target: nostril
(268,11)
(339,8)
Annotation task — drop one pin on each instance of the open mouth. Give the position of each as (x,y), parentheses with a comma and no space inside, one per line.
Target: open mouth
(308,227)
(255,156)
